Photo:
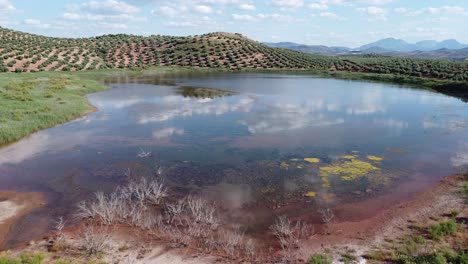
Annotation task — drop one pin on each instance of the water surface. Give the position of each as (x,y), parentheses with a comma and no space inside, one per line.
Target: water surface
(241,140)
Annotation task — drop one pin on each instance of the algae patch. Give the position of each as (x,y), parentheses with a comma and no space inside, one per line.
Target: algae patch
(284,165)
(374,158)
(348,170)
(312,160)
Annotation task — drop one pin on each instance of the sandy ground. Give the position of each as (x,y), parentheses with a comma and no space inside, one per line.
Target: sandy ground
(13,206)
(8,210)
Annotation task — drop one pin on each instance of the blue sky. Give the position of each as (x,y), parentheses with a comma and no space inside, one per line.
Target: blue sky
(327,22)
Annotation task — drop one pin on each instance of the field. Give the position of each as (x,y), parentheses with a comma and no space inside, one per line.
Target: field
(23,52)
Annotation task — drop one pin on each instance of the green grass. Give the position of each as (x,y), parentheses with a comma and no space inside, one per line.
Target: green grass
(23,259)
(34,101)
(442,229)
(443,256)
(349,256)
(319,259)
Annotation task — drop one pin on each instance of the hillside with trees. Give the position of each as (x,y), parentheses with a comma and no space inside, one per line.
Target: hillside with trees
(23,52)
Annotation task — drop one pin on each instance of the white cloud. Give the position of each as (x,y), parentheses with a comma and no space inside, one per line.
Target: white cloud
(247,7)
(318,6)
(108,6)
(378,2)
(6,6)
(204,9)
(331,15)
(401,10)
(32,22)
(167,132)
(102,18)
(166,11)
(458,10)
(71,16)
(288,3)
(276,17)
(243,17)
(443,10)
(461,157)
(250,18)
(375,12)
(35,23)
(172,107)
(180,24)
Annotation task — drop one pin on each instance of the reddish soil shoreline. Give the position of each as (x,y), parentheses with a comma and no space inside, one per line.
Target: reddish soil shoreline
(363,234)
(17,205)
(389,223)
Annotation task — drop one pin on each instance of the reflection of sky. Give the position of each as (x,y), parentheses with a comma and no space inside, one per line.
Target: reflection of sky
(276,110)
(460,157)
(172,107)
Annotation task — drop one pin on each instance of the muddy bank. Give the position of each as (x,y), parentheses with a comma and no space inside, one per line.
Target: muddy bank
(15,205)
(390,222)
(139,246)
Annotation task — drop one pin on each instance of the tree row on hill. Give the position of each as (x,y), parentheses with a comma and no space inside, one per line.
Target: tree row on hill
(27,52)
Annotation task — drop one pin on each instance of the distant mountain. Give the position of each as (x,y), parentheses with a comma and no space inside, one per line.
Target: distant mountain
(315,49)
(374,49)
(284,45)
(459,54)
(393,44)
(446,49)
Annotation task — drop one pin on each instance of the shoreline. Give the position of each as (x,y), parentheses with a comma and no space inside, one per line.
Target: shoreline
(95,79)
(391,224)
(362,236)
(14,206)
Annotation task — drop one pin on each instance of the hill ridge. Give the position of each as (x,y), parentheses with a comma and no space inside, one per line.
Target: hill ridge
(21,52)
(218,49)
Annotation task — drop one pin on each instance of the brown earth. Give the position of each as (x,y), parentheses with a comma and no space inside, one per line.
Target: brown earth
(384,221)
(392,221)
(15,205)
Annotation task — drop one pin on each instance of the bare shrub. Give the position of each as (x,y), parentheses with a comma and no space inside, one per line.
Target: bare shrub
(59,226)
(176,235)
(103,207)
(58,242)
(328,218)
(126,205)
(145,192)
(250,249)
(289,234)
(94,240)
(175,211)
(282,229)
(143,153)
(231,240)
(201,211)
